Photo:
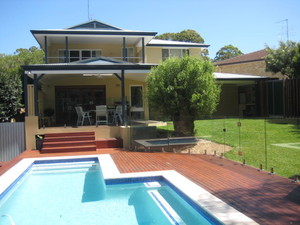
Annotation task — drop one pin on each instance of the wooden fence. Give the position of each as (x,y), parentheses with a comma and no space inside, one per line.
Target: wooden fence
(291,98)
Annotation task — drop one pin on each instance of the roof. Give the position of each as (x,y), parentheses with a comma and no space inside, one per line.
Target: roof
(95,65)
(95,24)
(250,57)
(92,28)
(233,76)
(169,43)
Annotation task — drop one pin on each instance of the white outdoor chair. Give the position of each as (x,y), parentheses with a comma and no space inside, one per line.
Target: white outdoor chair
(101,114)
(118,115)
(81,116)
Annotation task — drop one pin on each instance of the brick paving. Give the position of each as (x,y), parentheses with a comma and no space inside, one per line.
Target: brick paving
(267,199)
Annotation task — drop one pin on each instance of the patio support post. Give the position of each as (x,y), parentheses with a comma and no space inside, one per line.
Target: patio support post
(25,82)
(46,49)
(124,50)
(67,56)
(143,49)
(124,113)
(36,105)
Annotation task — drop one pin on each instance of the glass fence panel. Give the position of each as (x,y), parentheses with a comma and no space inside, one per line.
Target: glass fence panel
(252,141)
(283,146)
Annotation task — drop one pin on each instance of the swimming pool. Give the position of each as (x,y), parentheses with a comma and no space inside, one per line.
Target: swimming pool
(73,191)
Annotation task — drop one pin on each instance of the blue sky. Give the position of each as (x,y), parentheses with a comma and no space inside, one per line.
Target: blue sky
(246,24)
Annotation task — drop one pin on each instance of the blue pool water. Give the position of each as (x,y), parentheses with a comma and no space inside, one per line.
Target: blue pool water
(76,193)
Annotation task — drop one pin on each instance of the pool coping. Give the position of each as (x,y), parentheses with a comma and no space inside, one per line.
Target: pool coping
(219,209)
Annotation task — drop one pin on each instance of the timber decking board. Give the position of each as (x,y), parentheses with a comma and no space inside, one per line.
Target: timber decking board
(267,199)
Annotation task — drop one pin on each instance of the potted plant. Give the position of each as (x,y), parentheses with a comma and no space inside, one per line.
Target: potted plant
(39,140)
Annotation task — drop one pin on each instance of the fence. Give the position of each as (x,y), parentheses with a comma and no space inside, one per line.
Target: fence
(270,144)
(12,140)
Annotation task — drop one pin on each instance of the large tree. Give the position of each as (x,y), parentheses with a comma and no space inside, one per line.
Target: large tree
(185,35)
(227,52)
(285,59)
(183,89)
(11,78)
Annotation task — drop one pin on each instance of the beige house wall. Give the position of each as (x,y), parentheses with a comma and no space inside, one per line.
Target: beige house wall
(228,101)
(152,54)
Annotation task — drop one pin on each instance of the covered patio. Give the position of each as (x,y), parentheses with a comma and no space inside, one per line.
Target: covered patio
(86,84)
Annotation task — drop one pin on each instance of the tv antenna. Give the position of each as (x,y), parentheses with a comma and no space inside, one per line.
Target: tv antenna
(89,18)
(287,27)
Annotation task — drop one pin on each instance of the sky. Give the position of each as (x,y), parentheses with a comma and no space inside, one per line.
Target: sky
(249,25)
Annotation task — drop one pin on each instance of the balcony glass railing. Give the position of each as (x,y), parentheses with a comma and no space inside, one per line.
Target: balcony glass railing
(52,60)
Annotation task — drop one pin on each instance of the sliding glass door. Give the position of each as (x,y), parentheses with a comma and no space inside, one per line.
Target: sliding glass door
(68,97)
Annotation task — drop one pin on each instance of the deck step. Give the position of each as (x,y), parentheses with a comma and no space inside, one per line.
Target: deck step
(70,134)
(69,142)
(109,143)
(69,149)
(70,138)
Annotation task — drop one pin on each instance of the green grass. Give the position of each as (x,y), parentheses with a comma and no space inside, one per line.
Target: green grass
(255,138)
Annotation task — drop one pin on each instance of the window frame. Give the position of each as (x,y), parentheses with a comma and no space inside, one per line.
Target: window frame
(62,54)
(183,51)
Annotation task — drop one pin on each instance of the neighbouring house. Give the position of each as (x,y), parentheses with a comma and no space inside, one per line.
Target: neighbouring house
(274,95)
(97,64)
(252,64)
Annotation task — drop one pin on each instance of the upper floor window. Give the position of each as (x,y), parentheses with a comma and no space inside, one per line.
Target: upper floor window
(76,55)
(130,54)
(173,52)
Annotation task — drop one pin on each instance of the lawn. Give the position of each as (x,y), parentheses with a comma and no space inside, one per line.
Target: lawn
(273,143)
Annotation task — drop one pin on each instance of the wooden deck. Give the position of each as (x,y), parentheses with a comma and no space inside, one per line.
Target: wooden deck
(267,199)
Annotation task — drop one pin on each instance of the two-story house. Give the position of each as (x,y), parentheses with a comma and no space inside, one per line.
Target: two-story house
(93,64)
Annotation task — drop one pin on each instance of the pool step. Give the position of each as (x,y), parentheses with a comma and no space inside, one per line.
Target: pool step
(69,142)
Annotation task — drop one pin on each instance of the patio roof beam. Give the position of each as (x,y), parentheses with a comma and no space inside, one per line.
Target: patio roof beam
(36,105)
(117,75)
(46,49)
(25,82)
(41,76)
(143,49)
(124,113)
(124,52)
(67,56)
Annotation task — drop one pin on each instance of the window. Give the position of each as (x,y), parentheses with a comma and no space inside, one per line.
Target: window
(76,55)
(173,52)
(136,96)
(137,103)
(130,54)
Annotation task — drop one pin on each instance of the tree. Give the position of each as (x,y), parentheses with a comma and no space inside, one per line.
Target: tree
(185,35)
(183,89)
(227,52)
(285,59)
(10,95)
(11,75)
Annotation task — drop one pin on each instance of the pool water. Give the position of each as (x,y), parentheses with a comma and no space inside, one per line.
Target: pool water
(76,193)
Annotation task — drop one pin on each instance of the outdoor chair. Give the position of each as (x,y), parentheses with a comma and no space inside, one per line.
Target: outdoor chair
(82,116)
(101,114)
(118,115)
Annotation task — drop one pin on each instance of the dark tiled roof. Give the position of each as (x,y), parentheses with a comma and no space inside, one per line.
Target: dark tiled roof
(250,57)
